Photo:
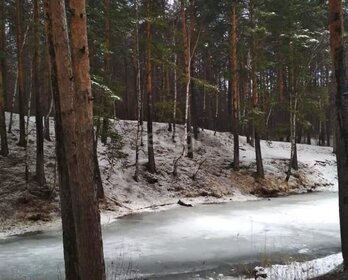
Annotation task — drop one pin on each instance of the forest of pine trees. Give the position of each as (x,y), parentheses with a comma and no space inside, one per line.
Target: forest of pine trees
(254,68)
(257,68)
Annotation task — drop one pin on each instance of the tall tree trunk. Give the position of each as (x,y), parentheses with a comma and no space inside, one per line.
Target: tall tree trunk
(234,82)
(47,134)
(194,113)
(85,204)
(20,69)
(107,70)
(175,77)
(149,91)
(338,55)
(293,116)
(40,170)
(50,98)
(126,93)
(187,75)
(3,50)
(137,70)
(62,89)
(97,175)
(3,134)
(27,168)
(255,99)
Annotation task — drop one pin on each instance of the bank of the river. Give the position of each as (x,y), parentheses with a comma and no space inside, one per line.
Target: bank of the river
(207,178)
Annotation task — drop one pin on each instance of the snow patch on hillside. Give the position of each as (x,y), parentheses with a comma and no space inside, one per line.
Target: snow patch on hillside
(22,210)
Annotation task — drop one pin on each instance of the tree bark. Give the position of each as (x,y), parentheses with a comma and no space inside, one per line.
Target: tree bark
(20,69)
(40,170)
(293,115)
(3,134)
(137,70)
(63,92)
(255,98)
(187,75)
(234,82)
(175,77)
(107,70)
(149,91)
(338,56)
(85,204)
(50,97)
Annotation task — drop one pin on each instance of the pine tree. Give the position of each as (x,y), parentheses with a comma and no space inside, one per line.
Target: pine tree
(85,204)
(20,69)
(149,90)
(255,94)
(40,171)
(234,77)
(63,93)
(4,151)
(338,56)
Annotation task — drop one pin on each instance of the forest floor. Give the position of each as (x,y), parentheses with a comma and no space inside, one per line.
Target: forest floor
(208,178)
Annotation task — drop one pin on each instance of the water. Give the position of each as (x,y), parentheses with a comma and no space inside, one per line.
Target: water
(183,242)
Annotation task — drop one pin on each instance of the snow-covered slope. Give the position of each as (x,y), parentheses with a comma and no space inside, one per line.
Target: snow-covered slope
(23,210)
(215,180)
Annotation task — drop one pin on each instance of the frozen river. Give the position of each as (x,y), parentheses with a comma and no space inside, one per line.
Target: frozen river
(183,242)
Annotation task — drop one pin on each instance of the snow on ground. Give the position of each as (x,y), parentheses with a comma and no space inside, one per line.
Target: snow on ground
(293,270)
(22,209)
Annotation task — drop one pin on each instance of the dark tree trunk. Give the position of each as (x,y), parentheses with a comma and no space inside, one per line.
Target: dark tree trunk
(3,134)
(50,98)
(234,82)
(47,129)
(20,69)
(40,170)
(338,55)
(149,91)
(309,139)
(105,129)
(259,163)
(97,175)
(255,99)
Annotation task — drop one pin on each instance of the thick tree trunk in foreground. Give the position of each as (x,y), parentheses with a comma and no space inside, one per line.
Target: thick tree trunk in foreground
(63,93)
(235,93)
(20,69)
(338,55)
(3,134)
(40,170)
(149,90)
(85,204)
